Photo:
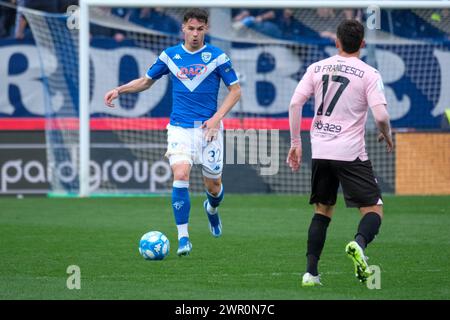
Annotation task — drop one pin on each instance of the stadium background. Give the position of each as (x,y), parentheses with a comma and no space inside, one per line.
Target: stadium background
(410,50)
(261,254)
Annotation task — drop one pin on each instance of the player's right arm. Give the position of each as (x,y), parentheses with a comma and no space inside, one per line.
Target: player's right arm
(156,71)
(133,86)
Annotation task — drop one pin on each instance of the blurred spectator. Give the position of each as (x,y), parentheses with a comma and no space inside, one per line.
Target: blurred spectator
(441,19)
(156,19)
(107,32)
(260,20)
(440,15)
(350,14)
(293,29)
(123,13)
(329,18)
(274,23)
(326,13)
(7,19)
(404,23)
(22,30)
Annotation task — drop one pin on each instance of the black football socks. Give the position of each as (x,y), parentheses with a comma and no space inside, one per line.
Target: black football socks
(368,229)
(317,234)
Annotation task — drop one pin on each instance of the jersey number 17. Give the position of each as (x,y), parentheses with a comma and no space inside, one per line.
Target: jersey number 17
(325,79)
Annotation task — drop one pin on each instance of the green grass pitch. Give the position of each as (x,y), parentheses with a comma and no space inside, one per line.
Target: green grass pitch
(261,254)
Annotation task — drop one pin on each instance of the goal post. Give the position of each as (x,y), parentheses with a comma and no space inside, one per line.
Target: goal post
(85,58)
(84,101)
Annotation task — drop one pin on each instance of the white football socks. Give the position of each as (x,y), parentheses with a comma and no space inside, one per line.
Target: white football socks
(182,230)
(211,210)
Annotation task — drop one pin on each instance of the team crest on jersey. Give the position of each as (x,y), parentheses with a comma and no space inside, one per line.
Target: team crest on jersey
(206,56)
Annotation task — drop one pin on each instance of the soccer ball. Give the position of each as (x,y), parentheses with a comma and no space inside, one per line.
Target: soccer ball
(154,245)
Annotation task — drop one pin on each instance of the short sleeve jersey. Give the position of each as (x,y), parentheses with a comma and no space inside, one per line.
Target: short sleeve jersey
(195,79)
(343,89)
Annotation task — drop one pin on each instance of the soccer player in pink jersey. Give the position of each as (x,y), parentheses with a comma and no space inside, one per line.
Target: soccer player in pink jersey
(344,89)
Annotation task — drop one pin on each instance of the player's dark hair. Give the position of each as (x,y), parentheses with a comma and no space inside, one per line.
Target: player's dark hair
(196,13)
(350,33)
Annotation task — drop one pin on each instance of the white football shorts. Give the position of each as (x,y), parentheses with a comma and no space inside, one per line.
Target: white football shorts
(190,145)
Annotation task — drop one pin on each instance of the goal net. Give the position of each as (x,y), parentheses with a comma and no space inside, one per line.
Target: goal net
(270,48)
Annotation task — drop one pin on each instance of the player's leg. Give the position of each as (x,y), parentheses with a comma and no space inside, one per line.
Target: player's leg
(181,204)
(361,191)
(180,159)
(317,233)
(369,224)
(212,165)
(323,195)
(214,195)
(368,228)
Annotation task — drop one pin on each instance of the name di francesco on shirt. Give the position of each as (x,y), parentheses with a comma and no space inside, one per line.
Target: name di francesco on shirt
(339,68)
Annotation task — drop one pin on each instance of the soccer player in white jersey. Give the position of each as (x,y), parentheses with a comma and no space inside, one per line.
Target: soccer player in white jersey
(195,131)
(344,89)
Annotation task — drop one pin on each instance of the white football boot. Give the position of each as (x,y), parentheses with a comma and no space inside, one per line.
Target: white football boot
(310,281)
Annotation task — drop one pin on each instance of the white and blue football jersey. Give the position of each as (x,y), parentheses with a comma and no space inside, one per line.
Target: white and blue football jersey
(195,79)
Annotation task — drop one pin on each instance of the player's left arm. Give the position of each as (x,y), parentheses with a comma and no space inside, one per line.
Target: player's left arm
(294,158)
(213,124)
(377,102)
(229,77)
(382,120)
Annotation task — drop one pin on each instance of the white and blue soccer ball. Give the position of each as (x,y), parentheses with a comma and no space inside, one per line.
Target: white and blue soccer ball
(154,245)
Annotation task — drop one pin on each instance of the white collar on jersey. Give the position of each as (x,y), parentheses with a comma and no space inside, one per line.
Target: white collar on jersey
(190,52)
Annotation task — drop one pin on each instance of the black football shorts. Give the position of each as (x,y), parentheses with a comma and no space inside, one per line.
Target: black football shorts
(357,179)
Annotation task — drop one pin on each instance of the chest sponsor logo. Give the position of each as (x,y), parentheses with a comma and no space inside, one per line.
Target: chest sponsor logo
(189,72)
(325,127)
